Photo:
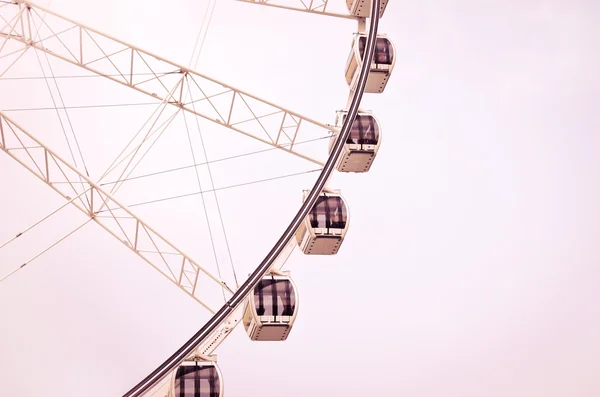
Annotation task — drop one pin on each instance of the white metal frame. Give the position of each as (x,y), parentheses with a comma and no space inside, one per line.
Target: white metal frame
(172,83)
(119,221)
(224,322)
(313,7)
(230,312)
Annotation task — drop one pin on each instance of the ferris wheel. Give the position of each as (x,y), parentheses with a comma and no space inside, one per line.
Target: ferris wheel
(267,302)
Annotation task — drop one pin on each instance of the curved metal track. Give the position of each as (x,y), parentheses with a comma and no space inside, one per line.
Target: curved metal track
(240,295)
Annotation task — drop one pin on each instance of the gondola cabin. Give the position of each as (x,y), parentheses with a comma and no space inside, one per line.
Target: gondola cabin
(362,8)
(381,66)
(197,379)
(323,230)
(362,144)
(271,310)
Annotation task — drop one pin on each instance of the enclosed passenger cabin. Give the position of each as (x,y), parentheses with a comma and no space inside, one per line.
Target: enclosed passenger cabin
(323,230)
(362,144)
(197,379)
(362,8)
(271,310)
(381,66)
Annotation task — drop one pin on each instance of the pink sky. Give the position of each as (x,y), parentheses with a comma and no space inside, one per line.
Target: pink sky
(471,266)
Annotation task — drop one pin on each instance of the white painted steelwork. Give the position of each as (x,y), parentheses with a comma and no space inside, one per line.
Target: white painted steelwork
(281,249)
(21,31)
(172,83)
(313,7)
(117,219)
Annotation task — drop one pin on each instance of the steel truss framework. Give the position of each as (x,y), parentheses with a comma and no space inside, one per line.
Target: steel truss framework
(32,26)
(115,218)
(222,320)
(21,22)
(312,6)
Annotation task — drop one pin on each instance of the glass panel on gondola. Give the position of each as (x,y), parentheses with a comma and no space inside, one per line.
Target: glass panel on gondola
(197,381)
(329,212)
(274,297)
(325,225)
(384,52)
(365,130)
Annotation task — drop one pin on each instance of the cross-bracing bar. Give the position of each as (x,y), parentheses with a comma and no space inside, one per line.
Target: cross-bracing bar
(119,221)
(313,7)
(155,76)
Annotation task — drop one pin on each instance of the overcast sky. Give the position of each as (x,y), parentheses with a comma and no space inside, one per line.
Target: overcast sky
(472,262)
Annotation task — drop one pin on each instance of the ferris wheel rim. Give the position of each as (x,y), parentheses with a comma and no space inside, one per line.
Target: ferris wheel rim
(262,269)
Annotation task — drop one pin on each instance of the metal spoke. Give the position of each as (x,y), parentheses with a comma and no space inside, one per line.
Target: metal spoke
(119,221)
(314,7)
(121,62)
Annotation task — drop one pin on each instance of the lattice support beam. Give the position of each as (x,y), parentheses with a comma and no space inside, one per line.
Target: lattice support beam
(119,221)
(33,26)
(312,6)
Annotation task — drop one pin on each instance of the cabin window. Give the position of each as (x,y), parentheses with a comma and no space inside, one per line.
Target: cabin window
(329,212)
(365,131)
(274,298)
(384,52)
(197,381)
